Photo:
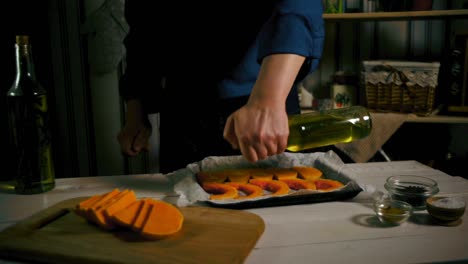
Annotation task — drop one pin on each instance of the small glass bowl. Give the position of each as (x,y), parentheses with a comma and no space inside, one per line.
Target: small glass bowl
(392,212)
(411,189)
(445,209)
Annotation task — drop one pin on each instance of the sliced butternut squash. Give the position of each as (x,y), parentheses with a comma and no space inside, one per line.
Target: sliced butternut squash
(299,184)
(273,186)
(163,220)
(211,176)
(121,203)
(103,214)
(127,216)
(248,189)
(79,209)
(142,215)
(97,213)
(308,173)
(283,173)
(328,185)
(237,175)
(103,199)
(220,191)
(260,173)
(151,218)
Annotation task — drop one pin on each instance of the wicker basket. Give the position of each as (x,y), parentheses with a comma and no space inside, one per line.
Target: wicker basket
(400,86)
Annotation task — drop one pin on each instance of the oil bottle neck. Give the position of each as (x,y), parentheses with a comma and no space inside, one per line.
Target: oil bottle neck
(24,62)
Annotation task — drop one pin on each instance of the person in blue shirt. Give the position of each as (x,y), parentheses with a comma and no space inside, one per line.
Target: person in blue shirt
(221,74)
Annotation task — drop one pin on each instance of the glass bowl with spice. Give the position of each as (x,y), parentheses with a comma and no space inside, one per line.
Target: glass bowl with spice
(446,209)
(392,212)
(411,189)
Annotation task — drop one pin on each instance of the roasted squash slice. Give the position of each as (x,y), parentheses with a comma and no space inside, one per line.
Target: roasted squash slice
(211,176)
(327,185)
(238,175)
(308,173)
(220,191)
(260,173)
(283,173)
(299,184)
(273,186)
(250,190)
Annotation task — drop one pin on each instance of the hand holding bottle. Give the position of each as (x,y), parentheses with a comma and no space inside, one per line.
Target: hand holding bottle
(257,131)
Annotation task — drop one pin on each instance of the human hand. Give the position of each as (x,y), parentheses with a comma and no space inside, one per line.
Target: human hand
(257,131)
(134,136)
(260,128)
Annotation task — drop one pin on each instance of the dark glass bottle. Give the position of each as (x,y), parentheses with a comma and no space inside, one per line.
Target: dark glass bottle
(29,124)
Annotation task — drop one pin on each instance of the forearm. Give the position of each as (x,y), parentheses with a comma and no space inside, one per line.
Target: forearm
(275,79)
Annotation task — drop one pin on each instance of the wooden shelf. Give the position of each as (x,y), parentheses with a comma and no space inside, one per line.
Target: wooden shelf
(406,15)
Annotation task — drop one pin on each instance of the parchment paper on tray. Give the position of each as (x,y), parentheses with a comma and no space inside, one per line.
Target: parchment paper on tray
(190,192)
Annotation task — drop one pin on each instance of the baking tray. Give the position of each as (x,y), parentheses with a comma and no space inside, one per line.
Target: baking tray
(329,163)
(291,199)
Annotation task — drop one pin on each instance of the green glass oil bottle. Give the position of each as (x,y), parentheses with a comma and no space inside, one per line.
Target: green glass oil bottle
(29,125)
(328,127)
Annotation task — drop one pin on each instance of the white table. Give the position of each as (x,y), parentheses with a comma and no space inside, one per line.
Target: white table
(331,232)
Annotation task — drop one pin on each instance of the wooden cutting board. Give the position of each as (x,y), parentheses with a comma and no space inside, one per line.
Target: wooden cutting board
(58,235)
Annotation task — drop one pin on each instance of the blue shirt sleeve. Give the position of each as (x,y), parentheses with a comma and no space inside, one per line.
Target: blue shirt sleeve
(297,27)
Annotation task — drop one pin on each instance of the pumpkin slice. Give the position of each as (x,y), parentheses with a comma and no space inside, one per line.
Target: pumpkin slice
(275,187)
(250,190)
(327,185)
(260,173)
(283,173)
(103,215)
(211,176)
(220,191)
(238,175)
(150,218)
(88,210)
(127,216)
(118,201)
(96,200)
(142,215)
(164,219)
(79,209)
(308,173)
(299,184)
